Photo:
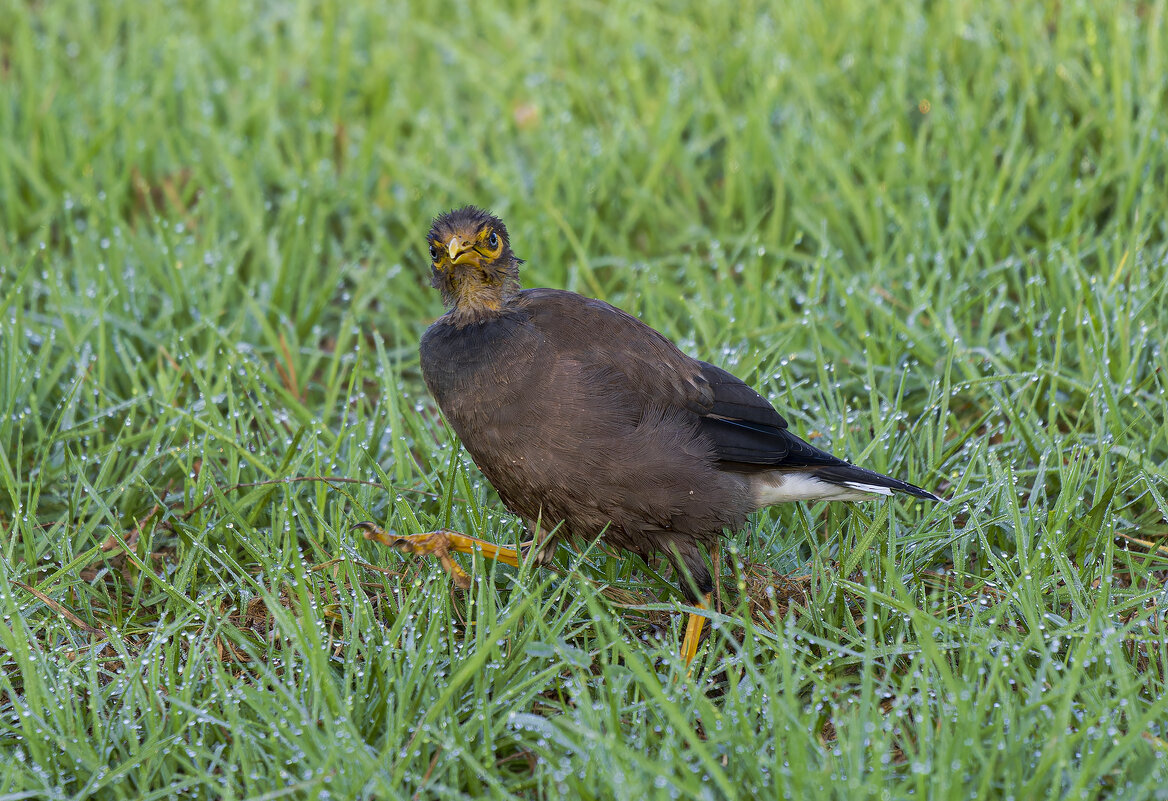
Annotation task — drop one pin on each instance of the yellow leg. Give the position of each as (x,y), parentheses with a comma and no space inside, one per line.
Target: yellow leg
(716,558)
(442,543)
(693,633)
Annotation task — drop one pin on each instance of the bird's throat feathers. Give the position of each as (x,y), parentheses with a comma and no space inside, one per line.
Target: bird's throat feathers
(476,292)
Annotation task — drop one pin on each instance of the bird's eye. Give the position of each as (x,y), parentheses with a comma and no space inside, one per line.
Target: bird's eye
(493,240)
(433,252)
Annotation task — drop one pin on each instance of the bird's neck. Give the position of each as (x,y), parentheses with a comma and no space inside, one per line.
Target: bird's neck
(474,296)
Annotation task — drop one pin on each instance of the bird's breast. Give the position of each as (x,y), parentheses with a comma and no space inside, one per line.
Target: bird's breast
(482,375)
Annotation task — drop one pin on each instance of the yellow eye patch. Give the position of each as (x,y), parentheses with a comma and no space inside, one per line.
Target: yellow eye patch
(490,241)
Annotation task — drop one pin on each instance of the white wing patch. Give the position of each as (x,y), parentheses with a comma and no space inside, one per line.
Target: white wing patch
(778,487)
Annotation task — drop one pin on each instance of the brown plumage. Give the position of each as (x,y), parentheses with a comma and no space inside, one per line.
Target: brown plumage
(585,420)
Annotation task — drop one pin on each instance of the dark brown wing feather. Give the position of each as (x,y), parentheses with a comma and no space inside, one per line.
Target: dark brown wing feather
(741,424)
(747,430)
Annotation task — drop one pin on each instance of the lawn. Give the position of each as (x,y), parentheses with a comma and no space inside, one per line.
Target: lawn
(934,234)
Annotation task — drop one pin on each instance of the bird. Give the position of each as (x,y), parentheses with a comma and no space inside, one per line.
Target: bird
(591,424)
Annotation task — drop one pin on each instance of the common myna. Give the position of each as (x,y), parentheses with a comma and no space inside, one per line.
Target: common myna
(591,424)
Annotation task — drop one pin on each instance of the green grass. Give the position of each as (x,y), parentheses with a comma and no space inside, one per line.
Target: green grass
(943,224)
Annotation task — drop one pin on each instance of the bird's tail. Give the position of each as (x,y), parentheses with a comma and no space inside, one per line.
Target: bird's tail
(857,478)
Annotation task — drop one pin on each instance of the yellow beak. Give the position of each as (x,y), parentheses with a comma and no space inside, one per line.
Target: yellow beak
(461,251)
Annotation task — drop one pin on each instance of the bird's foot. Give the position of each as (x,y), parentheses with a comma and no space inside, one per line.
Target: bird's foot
(442,543)
(431,543)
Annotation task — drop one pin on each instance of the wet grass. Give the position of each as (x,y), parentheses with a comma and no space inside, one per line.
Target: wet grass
(933,233)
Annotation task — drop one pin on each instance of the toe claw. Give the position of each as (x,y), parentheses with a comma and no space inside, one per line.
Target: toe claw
(372,531)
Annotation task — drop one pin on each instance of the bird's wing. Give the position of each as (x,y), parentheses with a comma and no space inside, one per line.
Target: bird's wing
(741,424)
(746,429)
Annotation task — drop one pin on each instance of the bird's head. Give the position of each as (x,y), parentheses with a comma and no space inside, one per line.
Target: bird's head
(472,262)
